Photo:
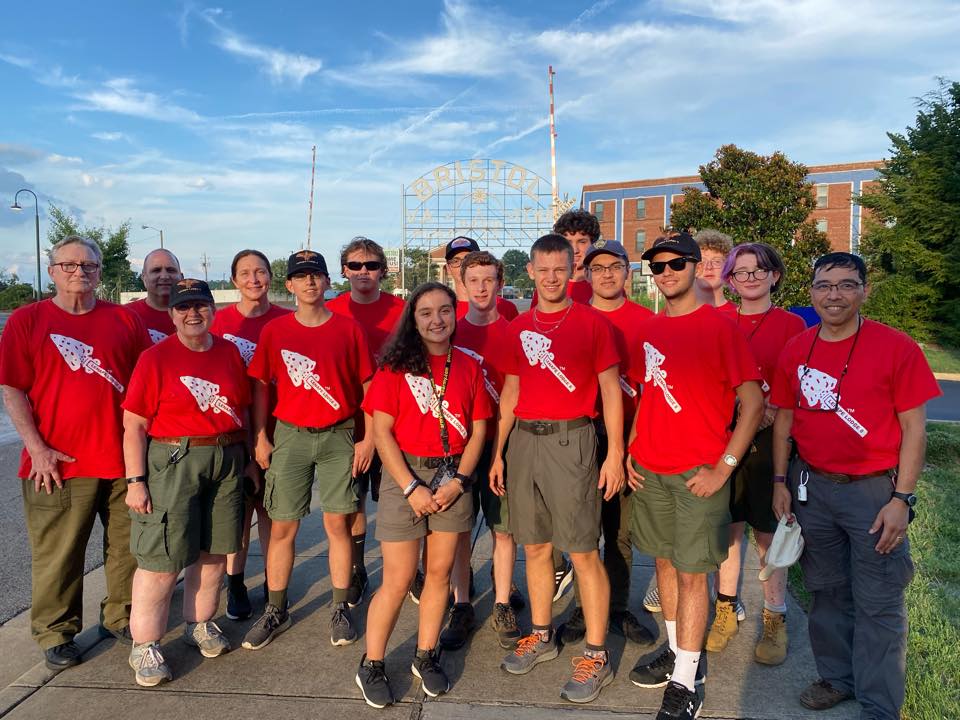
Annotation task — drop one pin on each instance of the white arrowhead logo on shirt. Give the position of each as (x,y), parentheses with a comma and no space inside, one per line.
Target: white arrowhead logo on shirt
(817,387)
(208,397)
(156,336)
(423,392)
(654,359)
(300,369)
(486,380)
(80,355)
(537,349)
(245,347)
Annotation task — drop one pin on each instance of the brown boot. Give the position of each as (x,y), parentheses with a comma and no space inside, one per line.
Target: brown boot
(725,626)
(772,647)
(821,695)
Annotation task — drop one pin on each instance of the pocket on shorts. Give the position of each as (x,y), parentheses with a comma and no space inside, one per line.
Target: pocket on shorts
(587,443)
(148,537)
(57,500)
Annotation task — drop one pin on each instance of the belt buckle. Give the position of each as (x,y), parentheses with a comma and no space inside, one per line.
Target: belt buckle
(541,428)
(223,439)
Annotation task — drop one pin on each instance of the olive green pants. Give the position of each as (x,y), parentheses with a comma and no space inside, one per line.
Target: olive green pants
(59,526)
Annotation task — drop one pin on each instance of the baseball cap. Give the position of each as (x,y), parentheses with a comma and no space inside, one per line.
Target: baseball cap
(190,290)
(681,243)
(460,244)
(785,548)
(610,247)
(306,261)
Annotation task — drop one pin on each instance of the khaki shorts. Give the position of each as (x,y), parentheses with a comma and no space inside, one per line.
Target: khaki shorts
(751,491)
(396,521)
(552,484)
(669,521)
(197,506)
(496,512)
(299,456)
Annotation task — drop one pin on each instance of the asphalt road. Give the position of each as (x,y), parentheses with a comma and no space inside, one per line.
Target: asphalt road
(947,406)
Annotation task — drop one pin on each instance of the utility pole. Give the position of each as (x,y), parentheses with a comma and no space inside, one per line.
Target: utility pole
(313,172)
(205,264)
(553,150)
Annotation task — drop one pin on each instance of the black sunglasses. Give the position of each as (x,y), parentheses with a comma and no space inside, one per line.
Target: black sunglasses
(677,264)
(371,265)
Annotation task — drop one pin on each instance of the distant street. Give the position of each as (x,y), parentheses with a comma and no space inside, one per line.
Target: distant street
(947,406)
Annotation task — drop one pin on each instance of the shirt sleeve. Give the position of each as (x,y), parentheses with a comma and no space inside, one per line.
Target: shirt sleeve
(783,392)
(382,394)
(739,362)
(365,367)
(605,352)
(914,382)
(511,353)
(143,392)
(16,368)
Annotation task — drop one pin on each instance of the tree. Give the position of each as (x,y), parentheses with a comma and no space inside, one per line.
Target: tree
(13,293)
(759,198)
(278,283)
(911,243)
(514,266)
(416,267)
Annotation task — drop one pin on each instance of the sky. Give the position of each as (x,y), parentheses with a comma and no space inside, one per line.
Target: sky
(200,119)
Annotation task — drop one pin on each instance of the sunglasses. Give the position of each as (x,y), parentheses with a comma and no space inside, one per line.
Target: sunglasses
(677,264)
(371,265)
(184,308)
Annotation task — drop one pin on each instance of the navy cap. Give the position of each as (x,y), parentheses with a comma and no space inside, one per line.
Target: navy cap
(681,243)
(460,244)
(306,261)
(190,290)
(610,247)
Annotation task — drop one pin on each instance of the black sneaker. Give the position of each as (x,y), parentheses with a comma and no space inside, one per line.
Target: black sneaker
(426,666)
(63,656)
(416,587)
(505,625)
(625,623)
(463,620)
(562,577)
(238,603)
(273,622)
(655,670)
(680,703)
(574,629)
(342,631)
(358,586)
(372,681)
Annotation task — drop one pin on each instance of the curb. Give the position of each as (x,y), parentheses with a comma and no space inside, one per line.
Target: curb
(952,377)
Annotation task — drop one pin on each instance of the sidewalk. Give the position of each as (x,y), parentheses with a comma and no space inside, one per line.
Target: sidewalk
(301,674)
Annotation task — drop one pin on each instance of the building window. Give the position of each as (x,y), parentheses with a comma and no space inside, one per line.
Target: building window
(823,196)
(641,208)
(641,240)
(598,210)
(822,225)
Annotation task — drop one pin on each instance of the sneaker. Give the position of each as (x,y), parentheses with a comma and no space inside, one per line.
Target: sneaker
(148,663)
(342,631)
(416,587)
(651,601)
(575,628)
(62,656)
(821,695)
(725,626)
(530,651)
(208,637)
(562,577)
(358,586)
(462,622)
(741,611)
(656,671)
(273,622)
(679,703)
(238,603)
(772,647)
(627,625)
(372,680)
(504,622)
(590,676)
(426,666)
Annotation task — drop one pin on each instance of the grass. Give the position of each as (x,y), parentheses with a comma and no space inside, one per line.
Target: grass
(942,359)
(933,598)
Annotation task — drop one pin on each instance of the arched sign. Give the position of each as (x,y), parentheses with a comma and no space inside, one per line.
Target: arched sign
(497,203)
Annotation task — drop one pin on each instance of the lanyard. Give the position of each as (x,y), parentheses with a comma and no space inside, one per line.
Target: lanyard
(444,434)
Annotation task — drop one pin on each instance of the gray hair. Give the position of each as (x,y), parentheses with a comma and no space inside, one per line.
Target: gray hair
(75,240)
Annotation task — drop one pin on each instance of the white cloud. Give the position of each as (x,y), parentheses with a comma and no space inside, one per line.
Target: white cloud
(63,159)
(199,183)
(121,96)
(16,60)
(109,136)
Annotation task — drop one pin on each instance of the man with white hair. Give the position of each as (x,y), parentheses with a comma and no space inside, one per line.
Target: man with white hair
(161,271)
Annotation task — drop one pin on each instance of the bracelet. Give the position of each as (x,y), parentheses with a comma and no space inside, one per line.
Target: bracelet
(780,478)
(465,482)
(137,479)
(409,489)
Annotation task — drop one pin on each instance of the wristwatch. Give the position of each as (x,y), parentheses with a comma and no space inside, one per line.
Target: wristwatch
(730,460)
(465,481)
(137,479)
(909,498)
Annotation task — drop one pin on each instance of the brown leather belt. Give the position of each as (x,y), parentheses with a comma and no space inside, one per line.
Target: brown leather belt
(430,462)
(843,479)
(221,440)
(549,427)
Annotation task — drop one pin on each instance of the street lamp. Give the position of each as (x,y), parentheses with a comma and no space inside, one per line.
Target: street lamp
(148,227)
(36,209)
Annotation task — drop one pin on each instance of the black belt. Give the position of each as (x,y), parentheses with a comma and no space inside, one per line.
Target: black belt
(549,427)
(221,440)
(317,430)
(844,479)
(430,462)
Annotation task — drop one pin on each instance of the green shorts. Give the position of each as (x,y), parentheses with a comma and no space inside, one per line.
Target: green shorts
(496,513)
(751,490)
(669,521)
(396,521)
(197,506)
(299,456)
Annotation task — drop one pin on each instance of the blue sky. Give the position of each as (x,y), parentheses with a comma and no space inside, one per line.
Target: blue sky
(199,119)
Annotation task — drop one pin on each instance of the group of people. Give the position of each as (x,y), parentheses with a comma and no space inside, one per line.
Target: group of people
(588,416)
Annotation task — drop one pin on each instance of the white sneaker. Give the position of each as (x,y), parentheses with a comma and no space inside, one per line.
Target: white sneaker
(208,637)
(148,663)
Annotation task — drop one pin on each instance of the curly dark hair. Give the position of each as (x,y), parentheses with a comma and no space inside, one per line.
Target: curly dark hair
(405,351)
(578,221)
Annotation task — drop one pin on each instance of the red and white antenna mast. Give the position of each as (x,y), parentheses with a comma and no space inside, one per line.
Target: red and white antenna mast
(553,149)
(313,172)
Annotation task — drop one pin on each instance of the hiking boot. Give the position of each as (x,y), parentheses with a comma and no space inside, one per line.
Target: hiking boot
(574,629)
(372,680)
(238,603)
(821,695)
(416,587)
(462,622)
(724,627)
(148,663)
(208,637)
(530,651)
(651,601)
(342,631)
(63,656)
(679,703)
(772,648)
(627,625)
(273,622)
(562,577)
(122,635)
(358,586)
(426,666)
(504,622)
(590,676)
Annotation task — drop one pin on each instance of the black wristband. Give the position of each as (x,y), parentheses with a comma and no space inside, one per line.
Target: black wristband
(465,481)
(412,488)
(137,479)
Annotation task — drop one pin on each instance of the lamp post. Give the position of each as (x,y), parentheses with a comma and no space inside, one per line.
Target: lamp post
(148,227)
(36,209)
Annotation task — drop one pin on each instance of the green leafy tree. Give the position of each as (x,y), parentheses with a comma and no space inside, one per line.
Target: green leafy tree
(417,267)
(514,266)
(278,284)
(759,198)
(13,293)
(911,241)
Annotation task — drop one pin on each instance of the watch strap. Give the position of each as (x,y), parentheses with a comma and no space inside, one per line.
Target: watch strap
(136,479)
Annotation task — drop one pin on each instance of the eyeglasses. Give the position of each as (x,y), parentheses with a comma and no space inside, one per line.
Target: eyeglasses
(677,264)
(371,265)
(455,263)
(88,268)
(744,275)
(844,287)
(316,275)
(712,263)
(184,308)
(602,269)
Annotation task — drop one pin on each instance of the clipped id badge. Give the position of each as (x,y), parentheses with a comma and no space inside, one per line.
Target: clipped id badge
(443,475)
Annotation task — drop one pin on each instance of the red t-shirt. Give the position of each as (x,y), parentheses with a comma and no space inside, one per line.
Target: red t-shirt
(766,334)
(319,371)
(507,309)
(558,364)
(74,369)
(377,318)
(626,321)
(412,401)
(887,374)
(188,393)
(728,309)
(158,322)
(486,344)
(579,291)
(244,332)
(690,367)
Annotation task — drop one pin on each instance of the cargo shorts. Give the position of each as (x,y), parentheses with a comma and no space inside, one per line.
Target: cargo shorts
(496,512)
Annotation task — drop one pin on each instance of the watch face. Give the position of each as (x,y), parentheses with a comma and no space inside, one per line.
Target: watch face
(730,460)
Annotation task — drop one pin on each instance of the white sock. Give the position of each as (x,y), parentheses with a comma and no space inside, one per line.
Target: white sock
(685,669)
(782,609)
(671,633)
